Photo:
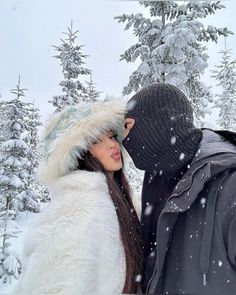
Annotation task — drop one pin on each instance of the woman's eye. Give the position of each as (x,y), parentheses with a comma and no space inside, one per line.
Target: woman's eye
(114,136)
(96,141)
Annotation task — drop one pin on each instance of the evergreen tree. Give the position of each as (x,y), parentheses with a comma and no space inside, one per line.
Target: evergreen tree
(37,190)
(10,264)
(171,47)
(3,117)
(225,75)
(91,94)
(13,163)
(72,62)
(134,176)
(32,193)
(13,153)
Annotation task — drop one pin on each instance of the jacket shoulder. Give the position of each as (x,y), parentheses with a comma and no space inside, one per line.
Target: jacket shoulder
(82,181)
(77,205)
(228,190)
(78,193)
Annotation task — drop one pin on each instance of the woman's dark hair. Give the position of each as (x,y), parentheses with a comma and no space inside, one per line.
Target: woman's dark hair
(127,218)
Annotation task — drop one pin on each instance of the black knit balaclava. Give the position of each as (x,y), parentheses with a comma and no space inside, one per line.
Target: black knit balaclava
(163,138)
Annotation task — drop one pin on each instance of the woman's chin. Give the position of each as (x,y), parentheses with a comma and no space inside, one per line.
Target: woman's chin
(115,167)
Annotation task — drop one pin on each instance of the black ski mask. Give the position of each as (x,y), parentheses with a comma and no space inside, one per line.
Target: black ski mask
(163,137)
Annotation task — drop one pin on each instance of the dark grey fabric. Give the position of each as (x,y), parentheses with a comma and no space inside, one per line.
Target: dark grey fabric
(195,248)
(163,137)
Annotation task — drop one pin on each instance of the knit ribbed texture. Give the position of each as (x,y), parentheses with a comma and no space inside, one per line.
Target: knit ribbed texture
(163,137)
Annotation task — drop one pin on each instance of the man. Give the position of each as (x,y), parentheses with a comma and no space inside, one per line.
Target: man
(189,195)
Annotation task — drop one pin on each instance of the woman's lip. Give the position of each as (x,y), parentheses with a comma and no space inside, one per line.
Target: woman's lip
(116,155)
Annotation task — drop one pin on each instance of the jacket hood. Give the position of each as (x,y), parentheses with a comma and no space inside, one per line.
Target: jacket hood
(70,133)
(214,143)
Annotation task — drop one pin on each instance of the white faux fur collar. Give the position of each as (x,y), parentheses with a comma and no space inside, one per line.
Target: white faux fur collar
(79,180)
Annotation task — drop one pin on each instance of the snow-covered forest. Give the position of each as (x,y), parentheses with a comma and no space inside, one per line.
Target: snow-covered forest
(169,43)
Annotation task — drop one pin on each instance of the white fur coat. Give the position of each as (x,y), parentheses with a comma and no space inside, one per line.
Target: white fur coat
(75,247)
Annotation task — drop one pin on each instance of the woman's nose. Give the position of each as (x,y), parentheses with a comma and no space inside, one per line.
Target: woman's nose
(111,144)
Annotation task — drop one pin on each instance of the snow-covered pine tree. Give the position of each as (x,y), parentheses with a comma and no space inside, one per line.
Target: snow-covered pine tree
(225,75)
(135,177)
(10,264)
(39,191)
(72,61)
(13,153)
(13,163)
(32,194)
(3,117)
(91,94)
(171,47)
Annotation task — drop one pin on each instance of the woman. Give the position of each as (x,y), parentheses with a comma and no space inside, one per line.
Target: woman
(87,240)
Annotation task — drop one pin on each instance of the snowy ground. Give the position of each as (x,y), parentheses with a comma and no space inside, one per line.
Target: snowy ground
(24,221)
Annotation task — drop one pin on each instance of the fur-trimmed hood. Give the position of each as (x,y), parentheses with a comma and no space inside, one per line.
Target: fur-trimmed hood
(70,133)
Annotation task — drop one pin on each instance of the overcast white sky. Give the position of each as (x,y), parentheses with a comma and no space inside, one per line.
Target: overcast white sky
(29,28)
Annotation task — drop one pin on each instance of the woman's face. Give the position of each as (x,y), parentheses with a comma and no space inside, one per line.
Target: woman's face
(107,151)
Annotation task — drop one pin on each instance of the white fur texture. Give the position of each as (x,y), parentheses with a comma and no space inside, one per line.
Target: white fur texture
(74,247)
(70,133)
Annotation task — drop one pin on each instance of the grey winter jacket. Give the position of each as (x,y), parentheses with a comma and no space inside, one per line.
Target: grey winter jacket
(196,231)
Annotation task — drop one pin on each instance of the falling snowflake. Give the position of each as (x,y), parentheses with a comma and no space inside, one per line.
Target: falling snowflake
(173,140)
(138,278)
(203,202)
(182,156)
(152,254)
(148,210)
